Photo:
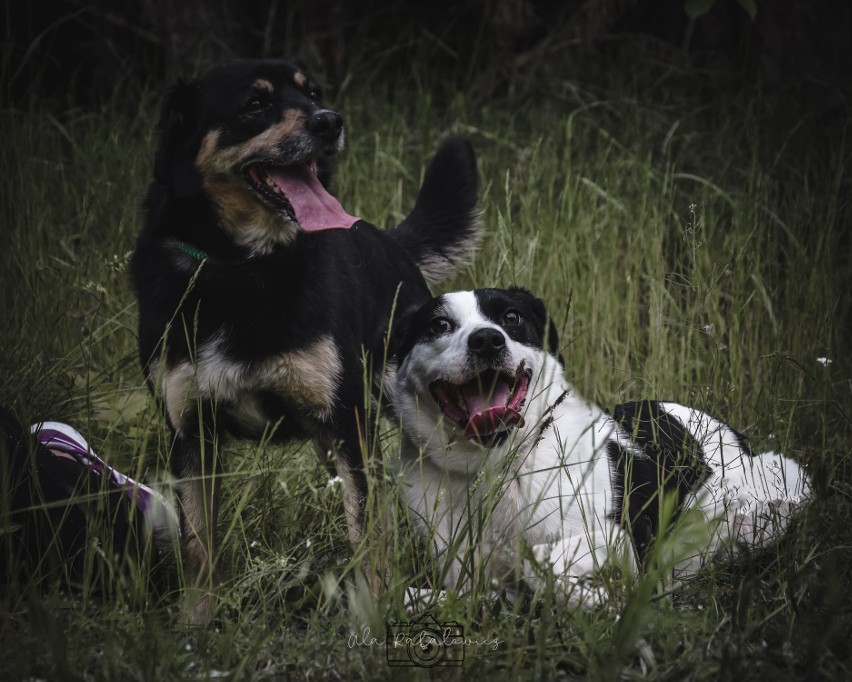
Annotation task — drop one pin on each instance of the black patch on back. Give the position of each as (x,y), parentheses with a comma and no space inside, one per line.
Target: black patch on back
(742,441)
(673,462)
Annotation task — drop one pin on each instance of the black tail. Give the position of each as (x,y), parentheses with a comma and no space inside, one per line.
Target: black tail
(442,232)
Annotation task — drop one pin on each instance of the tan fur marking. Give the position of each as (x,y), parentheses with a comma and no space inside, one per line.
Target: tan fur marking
(178,389)
(263,84)
(299,79)
(244,217)
(376,563)
(250,223)
(212,160)
(309,376)
(198,504)
(207,150)
(197,510)
(351,503)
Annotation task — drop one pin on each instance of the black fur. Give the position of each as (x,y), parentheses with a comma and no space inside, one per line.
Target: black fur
(250,306)
(671,462)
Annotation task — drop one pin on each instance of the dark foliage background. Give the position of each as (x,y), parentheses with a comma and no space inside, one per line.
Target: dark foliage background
(792,57)
(78,51)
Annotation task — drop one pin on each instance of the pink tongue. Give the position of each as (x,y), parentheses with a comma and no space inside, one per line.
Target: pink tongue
(491,420)
(488,416)
(477,402)
(315,208)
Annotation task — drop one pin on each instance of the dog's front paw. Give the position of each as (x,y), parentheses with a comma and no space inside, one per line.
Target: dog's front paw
(574,575)
(417,600)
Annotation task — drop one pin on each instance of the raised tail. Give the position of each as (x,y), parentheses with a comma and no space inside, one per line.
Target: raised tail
(442,232)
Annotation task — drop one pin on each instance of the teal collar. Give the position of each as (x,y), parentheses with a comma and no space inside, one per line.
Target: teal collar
(193,251)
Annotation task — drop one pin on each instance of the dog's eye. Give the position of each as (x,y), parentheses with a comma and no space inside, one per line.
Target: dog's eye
(512,318)
(315,94)
(440,325)
(256,105)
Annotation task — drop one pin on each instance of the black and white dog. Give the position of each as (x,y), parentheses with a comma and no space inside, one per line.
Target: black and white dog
(506,467)
(263,306)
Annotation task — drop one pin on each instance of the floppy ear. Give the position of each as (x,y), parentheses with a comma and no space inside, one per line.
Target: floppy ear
(400,342)
(178,128)
(553,342)
(550,337)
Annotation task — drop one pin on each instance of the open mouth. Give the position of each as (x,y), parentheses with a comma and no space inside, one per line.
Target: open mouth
(297,194)
(486,406)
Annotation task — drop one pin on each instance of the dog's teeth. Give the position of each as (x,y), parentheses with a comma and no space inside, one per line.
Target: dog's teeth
(271,184)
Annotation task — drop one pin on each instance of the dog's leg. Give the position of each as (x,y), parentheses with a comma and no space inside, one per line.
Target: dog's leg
(354,496)
(347,462)
(748,498)
(352,454)
(752,500)
(360,523)
(198,504)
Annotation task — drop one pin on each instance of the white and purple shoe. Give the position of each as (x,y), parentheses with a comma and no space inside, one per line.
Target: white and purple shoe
(159,516)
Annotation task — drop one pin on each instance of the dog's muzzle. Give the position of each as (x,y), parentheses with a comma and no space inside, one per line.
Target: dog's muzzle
(490,403)
(326,125)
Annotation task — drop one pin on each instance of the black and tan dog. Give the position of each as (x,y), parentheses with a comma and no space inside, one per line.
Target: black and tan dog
(260,299)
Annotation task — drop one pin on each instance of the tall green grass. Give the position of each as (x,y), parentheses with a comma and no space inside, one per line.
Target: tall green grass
(692,243)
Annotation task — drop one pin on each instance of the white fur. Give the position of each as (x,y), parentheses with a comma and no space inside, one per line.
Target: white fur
(544,497)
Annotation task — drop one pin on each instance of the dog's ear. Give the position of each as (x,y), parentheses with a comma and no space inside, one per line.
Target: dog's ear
(178,129)
(400,342)
(553,341)
(550,336)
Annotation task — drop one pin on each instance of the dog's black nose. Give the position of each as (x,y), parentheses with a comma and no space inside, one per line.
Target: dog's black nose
(486,342)
(326,125)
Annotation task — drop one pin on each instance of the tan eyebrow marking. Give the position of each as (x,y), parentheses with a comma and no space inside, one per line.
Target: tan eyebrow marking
(263,84)
(300,79)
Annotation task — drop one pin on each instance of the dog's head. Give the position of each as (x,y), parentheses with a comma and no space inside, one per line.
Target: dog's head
(470,366)
(256,139)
